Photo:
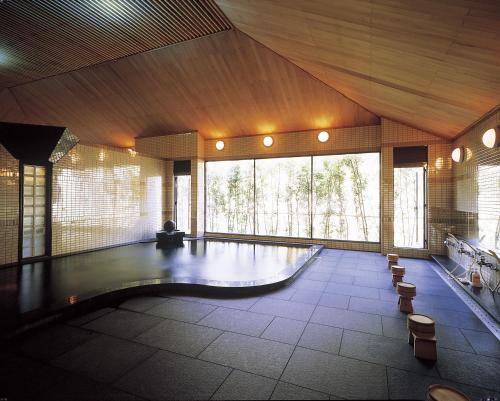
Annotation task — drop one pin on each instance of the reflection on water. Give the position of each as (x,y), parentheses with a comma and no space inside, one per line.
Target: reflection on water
(43,284)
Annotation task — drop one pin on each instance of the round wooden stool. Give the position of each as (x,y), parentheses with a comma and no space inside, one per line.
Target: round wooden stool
(440,392)
(422,336)
(407,292)
(398,273)
(392,259)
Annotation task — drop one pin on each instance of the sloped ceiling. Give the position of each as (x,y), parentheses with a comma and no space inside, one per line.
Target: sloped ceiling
(434,65)
(222,85)
(40,38)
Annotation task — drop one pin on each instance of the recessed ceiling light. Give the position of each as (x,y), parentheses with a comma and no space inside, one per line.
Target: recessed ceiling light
(491,139)
(268,141)
(219,145)
(457,155)
(323,136)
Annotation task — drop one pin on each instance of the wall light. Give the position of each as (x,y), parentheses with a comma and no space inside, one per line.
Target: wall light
(323,136)
(268,141)
(132,152)
(219,145)
(458,155)
(491,139)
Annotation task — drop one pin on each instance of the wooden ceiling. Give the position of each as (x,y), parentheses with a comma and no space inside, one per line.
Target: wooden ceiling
(222,85)
(40,38)
(434,65)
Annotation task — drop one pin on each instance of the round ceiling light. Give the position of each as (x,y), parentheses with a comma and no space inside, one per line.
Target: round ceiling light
(323,136)
(219,145)
(268,141)
(457,155)
(491,139)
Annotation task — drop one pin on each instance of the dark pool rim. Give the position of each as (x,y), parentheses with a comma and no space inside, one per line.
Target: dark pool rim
(83,303)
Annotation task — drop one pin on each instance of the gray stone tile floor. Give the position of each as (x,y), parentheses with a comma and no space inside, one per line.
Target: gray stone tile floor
(334,333)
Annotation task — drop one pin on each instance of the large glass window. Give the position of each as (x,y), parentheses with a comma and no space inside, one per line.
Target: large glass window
(341,202)
(282,193)
(230,196)
(346,197)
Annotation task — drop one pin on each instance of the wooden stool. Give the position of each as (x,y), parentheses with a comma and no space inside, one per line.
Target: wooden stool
(407,292)
(392,259)
(440,392)
(398,273)
(421,335)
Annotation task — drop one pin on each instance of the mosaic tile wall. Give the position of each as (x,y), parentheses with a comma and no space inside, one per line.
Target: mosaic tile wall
(173,147)
(476,190)
(440,186)
(9,207)
(477,183)
(103,197)
(342,140)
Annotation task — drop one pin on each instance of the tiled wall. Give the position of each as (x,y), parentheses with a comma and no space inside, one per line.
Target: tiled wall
(9,207)
(104,197)
(173,147)
(342,140)
(477,183)
(197,197)
(439,186)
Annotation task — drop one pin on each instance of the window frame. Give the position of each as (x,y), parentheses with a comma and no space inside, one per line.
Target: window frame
(311,237)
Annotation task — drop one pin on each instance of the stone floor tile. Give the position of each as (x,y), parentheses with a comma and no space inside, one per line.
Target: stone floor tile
(311,285)
(238,321)
(377,307)
(321,338)
(245,386)
(404,385)
(184,311)
(183,338)
(123,324)
(447,337)
(104,358)
(141,304)
(471,369)
(254,355)
(332,374)
(334,300)
(347,319)
(168,376)
(243,303)
(88,317)
(53,341)
(287,391)
(284,330)
(387,351)
(307,296)
(287,309)
(354,290)
(483,343)
(284,294)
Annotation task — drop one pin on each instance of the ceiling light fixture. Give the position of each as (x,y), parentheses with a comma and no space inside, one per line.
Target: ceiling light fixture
(491,139)
(458,155)
(323,136)
(268,141)
(219,145)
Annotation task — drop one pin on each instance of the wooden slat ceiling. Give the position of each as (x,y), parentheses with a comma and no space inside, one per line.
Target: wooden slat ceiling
(434,65)
(41,38)
(222,85)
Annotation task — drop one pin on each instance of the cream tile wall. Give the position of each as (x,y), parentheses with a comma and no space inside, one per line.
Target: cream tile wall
(439,186)
(9,207)
(173,147)
(103,197)
(467,179)
(342,140)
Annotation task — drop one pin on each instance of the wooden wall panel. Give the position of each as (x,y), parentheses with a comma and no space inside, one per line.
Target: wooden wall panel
(222,85)
(434,65)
